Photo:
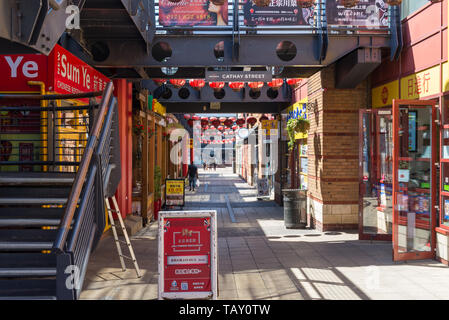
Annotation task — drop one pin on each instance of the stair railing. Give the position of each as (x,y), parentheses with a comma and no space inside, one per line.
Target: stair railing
(84,219)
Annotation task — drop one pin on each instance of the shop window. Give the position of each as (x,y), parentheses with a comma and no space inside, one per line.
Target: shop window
(410,6)
(444,218)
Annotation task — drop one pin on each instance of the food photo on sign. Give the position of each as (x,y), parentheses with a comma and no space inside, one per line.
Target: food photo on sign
(367,13)
(193,13)
(278,12)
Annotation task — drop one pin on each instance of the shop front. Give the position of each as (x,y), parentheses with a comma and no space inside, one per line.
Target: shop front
(401,160)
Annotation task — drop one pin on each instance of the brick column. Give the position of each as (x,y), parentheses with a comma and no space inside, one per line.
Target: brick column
(333,147)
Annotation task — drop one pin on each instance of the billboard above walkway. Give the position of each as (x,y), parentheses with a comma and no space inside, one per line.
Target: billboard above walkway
(193,13)
(278,13)
(367,13)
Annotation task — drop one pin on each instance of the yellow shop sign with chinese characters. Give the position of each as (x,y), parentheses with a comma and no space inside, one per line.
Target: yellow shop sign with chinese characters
(421,84)
(382,96)
(159,108)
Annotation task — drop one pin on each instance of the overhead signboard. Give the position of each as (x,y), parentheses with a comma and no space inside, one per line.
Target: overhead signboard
(269,125)
(367,13)
(279,12)
(239,76)
(193,13)
(174,192)
(187,255)
(61,72)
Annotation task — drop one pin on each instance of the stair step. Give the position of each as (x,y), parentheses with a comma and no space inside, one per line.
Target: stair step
(19,288)
(36,178)
(31,212)
(27,260)
(27,272)
(28,222)
(33,192)
(26,239)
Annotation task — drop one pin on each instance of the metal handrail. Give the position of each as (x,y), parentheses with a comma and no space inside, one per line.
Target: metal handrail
(81,175)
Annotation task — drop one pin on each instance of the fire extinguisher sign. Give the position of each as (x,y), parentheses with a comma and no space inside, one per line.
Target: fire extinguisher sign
(188,255)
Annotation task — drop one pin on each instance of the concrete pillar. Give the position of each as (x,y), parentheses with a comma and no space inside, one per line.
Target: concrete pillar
(333,148)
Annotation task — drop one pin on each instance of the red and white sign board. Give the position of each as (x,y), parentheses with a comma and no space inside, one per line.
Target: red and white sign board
(187,254)
(61,71)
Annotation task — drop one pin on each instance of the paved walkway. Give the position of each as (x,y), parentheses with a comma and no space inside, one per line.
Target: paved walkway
(260,259)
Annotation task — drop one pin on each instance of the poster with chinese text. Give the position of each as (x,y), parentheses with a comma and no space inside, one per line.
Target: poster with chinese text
(278,13)
(367,13)
(193,13)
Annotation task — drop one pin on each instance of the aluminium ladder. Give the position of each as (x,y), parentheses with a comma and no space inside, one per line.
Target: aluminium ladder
(117,241)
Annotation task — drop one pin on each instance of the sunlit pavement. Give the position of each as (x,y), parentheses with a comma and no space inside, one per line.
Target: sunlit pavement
(260,259)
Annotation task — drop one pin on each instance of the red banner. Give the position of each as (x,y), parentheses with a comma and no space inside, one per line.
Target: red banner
(193,13)
(187,254)
(61,71)
(18,69)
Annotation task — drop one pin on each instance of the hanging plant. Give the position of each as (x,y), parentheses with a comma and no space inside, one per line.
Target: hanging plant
(296,126)
(138,129)
(393,2)
(305,3)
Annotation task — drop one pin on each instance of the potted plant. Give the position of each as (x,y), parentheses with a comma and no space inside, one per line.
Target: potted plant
(157,191)
(295,215)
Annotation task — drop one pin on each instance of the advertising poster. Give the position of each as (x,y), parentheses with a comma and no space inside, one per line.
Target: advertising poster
(193,13)
(262,188)
(174,192)
(278,13)
(367,13)
(446,209)
(187,254)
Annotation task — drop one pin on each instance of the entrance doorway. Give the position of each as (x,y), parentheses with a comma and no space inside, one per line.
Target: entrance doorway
(376,178)
(414,179)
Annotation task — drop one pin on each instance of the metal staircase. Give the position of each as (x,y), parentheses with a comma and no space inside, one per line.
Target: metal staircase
(50,220)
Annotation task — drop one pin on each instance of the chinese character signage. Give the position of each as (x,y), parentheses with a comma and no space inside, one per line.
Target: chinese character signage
(421,84)
(187,254)
(193,13)
(279,12)
(367,13)
(61,71)
(269,125)
(174,192)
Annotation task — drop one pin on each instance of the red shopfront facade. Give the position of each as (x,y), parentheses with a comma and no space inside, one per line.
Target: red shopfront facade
(404,190)
(61,72)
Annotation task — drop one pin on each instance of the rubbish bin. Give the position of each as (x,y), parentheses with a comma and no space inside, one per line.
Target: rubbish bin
(295,208)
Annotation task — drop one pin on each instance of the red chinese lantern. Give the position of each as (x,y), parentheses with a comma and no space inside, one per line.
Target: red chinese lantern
(220,128)
(294,83)
(190,122)
(222,119)
(305,3)
(187,116)
(240,122)
(212,118)
(160,82)
(178,83)
(225,133)
(196,118)
(236,86)
(234,127)
(275,84)
(264,117)
(197,84)
(255,86)
(204,121)
(395,2)
(232,119)
(217,86)
(228,122)
(252,120)
(215,122)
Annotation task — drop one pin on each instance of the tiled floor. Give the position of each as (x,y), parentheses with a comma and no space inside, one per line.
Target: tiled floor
(260,259)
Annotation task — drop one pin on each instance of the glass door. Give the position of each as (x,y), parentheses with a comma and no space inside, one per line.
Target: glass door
(375,171)
(414,179)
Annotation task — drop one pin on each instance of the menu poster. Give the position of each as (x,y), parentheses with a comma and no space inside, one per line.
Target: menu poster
(367,13)
(193,13)
(278,12)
